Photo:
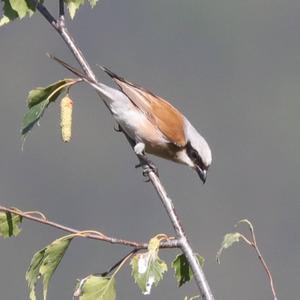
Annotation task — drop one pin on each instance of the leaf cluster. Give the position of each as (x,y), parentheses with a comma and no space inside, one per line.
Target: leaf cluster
(147,267)
(18,9)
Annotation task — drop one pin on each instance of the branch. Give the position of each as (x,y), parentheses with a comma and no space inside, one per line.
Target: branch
(233,237)
(183,242)
(167,202)
(95,235)
(253,243)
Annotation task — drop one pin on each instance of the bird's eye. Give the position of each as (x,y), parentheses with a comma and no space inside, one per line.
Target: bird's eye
(194,155)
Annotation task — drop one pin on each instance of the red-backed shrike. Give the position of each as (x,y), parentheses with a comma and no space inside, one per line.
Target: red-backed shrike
(153,124)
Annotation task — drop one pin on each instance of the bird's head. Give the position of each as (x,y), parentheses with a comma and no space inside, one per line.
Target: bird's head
(196,153)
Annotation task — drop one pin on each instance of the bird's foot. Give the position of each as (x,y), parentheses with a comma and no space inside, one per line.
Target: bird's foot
(147,165)
(149,168)
(118,128)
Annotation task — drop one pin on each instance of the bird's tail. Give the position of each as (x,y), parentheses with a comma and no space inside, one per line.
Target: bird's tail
(107,94)
(104,90)
(75,71)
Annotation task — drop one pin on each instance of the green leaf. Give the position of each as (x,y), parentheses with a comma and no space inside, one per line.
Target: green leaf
(38,100)
(14,9)
(147,269)
(93,3)
(183,271)
(5,20)
(96,288)
(9,224)
(73,6)
(21,7)
(228,241)
(32,116)
(50,92)
(8,13)
(33,272)
(44,263)
(192,298)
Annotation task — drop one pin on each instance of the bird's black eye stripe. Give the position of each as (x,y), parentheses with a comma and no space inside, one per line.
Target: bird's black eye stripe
(194,155)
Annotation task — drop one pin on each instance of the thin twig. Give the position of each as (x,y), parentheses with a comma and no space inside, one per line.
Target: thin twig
(43,11)
(167,202)
(119,262)
(261,258)
(254,245)
(88,234)
(61,12)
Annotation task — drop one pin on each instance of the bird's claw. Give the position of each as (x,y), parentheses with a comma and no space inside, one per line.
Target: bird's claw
(148,166)
(117,128)
(138,165)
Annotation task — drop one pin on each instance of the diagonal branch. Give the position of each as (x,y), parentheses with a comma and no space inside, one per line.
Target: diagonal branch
(184,243)
(167,202)
(95,235)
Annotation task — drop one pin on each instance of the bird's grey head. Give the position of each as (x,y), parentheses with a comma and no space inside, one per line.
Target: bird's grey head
(197,153)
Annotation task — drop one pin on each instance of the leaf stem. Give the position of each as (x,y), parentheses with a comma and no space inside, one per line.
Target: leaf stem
(68,84)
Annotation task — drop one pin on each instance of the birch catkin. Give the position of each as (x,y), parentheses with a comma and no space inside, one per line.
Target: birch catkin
(66,109)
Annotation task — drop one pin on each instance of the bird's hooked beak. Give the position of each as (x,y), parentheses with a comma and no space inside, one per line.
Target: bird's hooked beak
(202,173)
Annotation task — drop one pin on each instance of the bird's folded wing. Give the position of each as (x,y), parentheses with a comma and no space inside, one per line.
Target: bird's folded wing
(166,117)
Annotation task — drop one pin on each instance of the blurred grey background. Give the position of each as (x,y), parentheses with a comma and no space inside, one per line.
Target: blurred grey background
(233,67)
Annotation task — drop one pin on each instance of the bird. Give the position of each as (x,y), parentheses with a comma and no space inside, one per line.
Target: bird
(152,123)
